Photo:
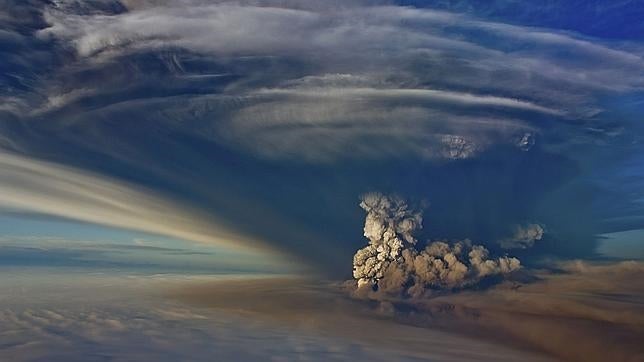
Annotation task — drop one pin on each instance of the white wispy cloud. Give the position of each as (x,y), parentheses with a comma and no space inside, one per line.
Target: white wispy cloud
(414,94)
(356,56)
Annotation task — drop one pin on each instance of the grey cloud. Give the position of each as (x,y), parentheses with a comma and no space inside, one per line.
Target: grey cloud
(366,123)
(72,317)
(392,265)
(439,61)
(524,237)
(557,314)
(411,95)
(583,312)
(270,31)
(58,99)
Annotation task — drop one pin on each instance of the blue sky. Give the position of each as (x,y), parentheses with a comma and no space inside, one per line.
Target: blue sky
(45,243)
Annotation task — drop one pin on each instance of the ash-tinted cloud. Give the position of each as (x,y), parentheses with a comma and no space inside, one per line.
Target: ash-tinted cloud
(68,316)
(393,264)
(578,312)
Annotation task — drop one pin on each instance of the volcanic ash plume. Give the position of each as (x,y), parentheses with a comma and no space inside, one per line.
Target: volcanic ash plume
(524,237)
(391,263)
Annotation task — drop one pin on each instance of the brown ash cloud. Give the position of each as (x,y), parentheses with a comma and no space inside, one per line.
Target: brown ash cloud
(392,263)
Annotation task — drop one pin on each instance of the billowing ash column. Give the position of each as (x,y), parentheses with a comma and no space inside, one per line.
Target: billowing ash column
(391,263)
(388,226)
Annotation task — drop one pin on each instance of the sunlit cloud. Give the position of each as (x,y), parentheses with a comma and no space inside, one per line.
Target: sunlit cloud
(28,185)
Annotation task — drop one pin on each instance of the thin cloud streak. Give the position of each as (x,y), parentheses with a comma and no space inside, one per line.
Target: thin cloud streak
(412,94)
(400,54)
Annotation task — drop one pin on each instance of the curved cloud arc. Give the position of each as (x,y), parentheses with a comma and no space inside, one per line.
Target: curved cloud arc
(417,93)
(329,63)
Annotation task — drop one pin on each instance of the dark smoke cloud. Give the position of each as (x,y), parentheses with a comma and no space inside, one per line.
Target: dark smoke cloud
(392,264)
(524,237)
